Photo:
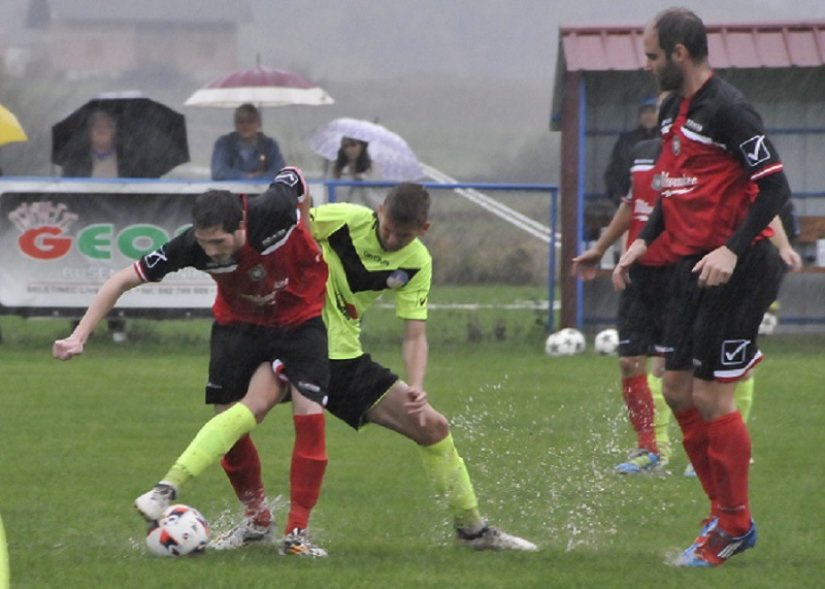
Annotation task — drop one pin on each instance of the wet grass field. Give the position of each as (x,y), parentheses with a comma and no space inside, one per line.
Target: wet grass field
(539,435)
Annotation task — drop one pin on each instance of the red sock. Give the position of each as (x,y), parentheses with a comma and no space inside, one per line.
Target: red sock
(243,467)
(640,410)
(729,454)
(695,441)
(309,461)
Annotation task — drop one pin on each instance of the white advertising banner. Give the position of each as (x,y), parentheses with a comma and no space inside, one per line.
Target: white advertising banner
(60,240)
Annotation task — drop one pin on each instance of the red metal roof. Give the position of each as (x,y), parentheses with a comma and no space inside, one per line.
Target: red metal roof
(764,45)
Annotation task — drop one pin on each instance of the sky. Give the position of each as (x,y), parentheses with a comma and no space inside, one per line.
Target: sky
(467,82)
(515,39)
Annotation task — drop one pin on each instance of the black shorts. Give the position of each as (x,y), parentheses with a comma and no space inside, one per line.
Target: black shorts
(712,331)
(641,315)
(238,349)
(355,386)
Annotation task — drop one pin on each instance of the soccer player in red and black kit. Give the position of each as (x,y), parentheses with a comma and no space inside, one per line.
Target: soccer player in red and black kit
(640,312)
(721,183)
(268,340)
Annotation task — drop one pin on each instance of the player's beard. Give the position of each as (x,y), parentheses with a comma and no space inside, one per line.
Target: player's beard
(669,77)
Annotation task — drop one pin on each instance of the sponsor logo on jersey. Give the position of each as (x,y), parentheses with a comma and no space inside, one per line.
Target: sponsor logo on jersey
(674,186)
(734,352)
(693,125)
(269,298)
(755,150)
(677,182)
(261,300)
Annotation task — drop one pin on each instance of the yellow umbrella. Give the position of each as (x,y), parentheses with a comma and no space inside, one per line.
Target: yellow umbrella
(10,128)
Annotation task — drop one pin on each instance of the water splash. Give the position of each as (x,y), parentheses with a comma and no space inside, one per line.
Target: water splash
(551,476)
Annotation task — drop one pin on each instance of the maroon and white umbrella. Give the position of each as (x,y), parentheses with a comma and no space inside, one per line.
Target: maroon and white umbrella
(261,86)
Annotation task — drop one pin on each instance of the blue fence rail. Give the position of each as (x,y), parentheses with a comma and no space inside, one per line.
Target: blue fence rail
(553,211)
(330,187)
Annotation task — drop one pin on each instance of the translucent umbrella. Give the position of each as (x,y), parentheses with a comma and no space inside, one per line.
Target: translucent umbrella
(388,151)
(11,130)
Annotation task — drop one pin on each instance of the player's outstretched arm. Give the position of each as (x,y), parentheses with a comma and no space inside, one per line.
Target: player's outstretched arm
(104,301)
(584,265)
(415,350)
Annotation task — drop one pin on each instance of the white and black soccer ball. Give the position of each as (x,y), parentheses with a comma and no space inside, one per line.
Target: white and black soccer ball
(566,342)
(606,342)
(769,323)
(180,531)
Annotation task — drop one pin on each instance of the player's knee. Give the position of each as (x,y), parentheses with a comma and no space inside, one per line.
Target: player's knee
(631,366)
(440,426)
(434,429)
(677,390)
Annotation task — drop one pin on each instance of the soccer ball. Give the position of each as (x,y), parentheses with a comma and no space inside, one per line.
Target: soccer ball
(769,323)
(607,342)
(566,342)
(180,531)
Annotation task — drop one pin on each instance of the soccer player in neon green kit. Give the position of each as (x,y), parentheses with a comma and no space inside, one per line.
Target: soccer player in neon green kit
(370,252)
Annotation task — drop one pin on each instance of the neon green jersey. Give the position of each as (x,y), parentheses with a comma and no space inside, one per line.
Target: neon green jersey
(360,270)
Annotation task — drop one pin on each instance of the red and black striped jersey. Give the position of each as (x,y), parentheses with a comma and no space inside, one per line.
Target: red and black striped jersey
(278,278)
(714,150)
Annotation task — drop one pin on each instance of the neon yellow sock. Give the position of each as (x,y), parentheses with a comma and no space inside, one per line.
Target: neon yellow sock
(451,480)
(743,397)
(213,440)
(4,558)
(661,417)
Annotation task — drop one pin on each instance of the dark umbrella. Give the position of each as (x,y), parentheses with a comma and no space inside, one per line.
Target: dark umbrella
(151,137)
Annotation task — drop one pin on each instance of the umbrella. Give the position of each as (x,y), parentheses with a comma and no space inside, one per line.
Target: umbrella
(389,152)
(11,130)
(261,86)
(151,137)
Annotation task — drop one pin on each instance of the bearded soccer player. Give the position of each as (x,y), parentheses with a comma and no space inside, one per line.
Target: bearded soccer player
(369,253)
(721,182)
(641,316)
(268,340)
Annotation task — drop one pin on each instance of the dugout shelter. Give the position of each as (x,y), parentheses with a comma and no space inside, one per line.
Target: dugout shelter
(599,83)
